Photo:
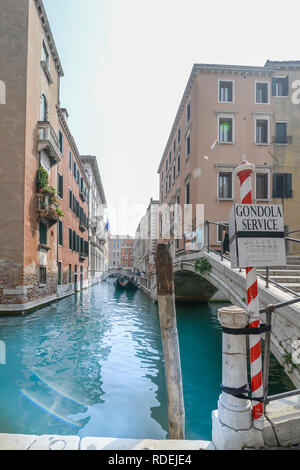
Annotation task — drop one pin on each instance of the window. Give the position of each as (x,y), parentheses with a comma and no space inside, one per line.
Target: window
(178,135)
(78,177)
(188,112)
(262,133)
(70,239)
(188,144)
(70,273)
(43,234)
(262,186)
(60,233)
(59,274)
(166,164)
(281,133)
(262,93)
(178,163)
(44,108)
(74,242)
(61,141)
(226,91)
(282,185)
(170,182)
(43,275)
(187,193)
(70,160)
(60,186)
(226,130)
(174,172)
(70,199)
(225,185)
(74,169)
(166,188)
(280,86)
(170,157)
(45,54)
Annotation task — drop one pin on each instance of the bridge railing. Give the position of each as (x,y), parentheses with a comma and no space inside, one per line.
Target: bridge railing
(266,278)
(267,310)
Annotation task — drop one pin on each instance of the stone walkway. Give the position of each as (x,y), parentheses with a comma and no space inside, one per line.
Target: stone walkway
(26,442)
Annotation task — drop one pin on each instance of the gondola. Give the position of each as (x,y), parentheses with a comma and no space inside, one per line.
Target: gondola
(125,283)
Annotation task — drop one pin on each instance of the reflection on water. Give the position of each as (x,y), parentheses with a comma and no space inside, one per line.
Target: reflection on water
(92,365)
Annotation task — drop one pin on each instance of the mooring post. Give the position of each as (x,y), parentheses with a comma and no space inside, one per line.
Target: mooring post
(170,342)
(232,426)
(233,411)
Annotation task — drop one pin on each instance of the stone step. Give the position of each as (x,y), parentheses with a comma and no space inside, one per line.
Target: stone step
(293,260)
(285,279)
(279,272)
(292,286)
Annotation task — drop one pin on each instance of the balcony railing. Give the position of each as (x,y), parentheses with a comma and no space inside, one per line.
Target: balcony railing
(82,256)
(82,196)
(48,141)
(288,139)
(46,209)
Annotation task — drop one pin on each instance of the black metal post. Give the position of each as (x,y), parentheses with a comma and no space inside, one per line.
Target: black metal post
(269,311)
(208,248)
(222,244)
(267,276)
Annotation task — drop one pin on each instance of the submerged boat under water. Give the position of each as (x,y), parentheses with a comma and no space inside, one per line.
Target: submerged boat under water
(125,283)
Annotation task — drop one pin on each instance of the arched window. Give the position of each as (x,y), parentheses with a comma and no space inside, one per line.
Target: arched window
(44,108)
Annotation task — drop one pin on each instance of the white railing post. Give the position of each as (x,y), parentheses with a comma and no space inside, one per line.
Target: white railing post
(234,412)
(232,422)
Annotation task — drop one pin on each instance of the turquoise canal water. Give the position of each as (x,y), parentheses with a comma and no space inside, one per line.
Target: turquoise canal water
(92,365)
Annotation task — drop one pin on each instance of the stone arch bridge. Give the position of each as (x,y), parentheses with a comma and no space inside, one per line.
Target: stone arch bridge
(117,272)
(231,284)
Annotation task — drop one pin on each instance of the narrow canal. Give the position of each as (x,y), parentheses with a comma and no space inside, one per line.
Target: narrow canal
(92,365)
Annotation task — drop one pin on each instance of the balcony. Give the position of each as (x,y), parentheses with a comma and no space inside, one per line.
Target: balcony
(48,141)
(47,209)
(82,256)
(288,139)
(82,196)
(82,227)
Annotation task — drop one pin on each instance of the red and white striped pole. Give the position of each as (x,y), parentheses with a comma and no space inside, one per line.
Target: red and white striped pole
(244,172)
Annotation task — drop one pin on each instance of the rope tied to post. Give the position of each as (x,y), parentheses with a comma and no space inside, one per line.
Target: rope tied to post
(263,328)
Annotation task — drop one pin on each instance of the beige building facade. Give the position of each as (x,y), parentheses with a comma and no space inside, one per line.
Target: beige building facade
(229,113)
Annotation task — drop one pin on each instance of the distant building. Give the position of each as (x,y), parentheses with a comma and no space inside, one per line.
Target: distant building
(227,113)
(120,253)
(145,243)
(98,236)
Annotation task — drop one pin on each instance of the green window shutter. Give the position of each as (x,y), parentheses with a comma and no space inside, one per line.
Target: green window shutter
(74,241)
(60,233)
(43,234)
(273,86)
(70,199)
(288,185)
(286,86)
(70,239)
(60,186)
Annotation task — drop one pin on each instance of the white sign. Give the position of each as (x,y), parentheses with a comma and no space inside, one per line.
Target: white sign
(256,234)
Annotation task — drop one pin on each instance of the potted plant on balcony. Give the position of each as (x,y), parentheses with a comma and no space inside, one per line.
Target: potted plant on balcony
(42,179)
(59,212)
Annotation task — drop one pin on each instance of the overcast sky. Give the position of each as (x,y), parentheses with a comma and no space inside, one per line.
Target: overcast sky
(126,65)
